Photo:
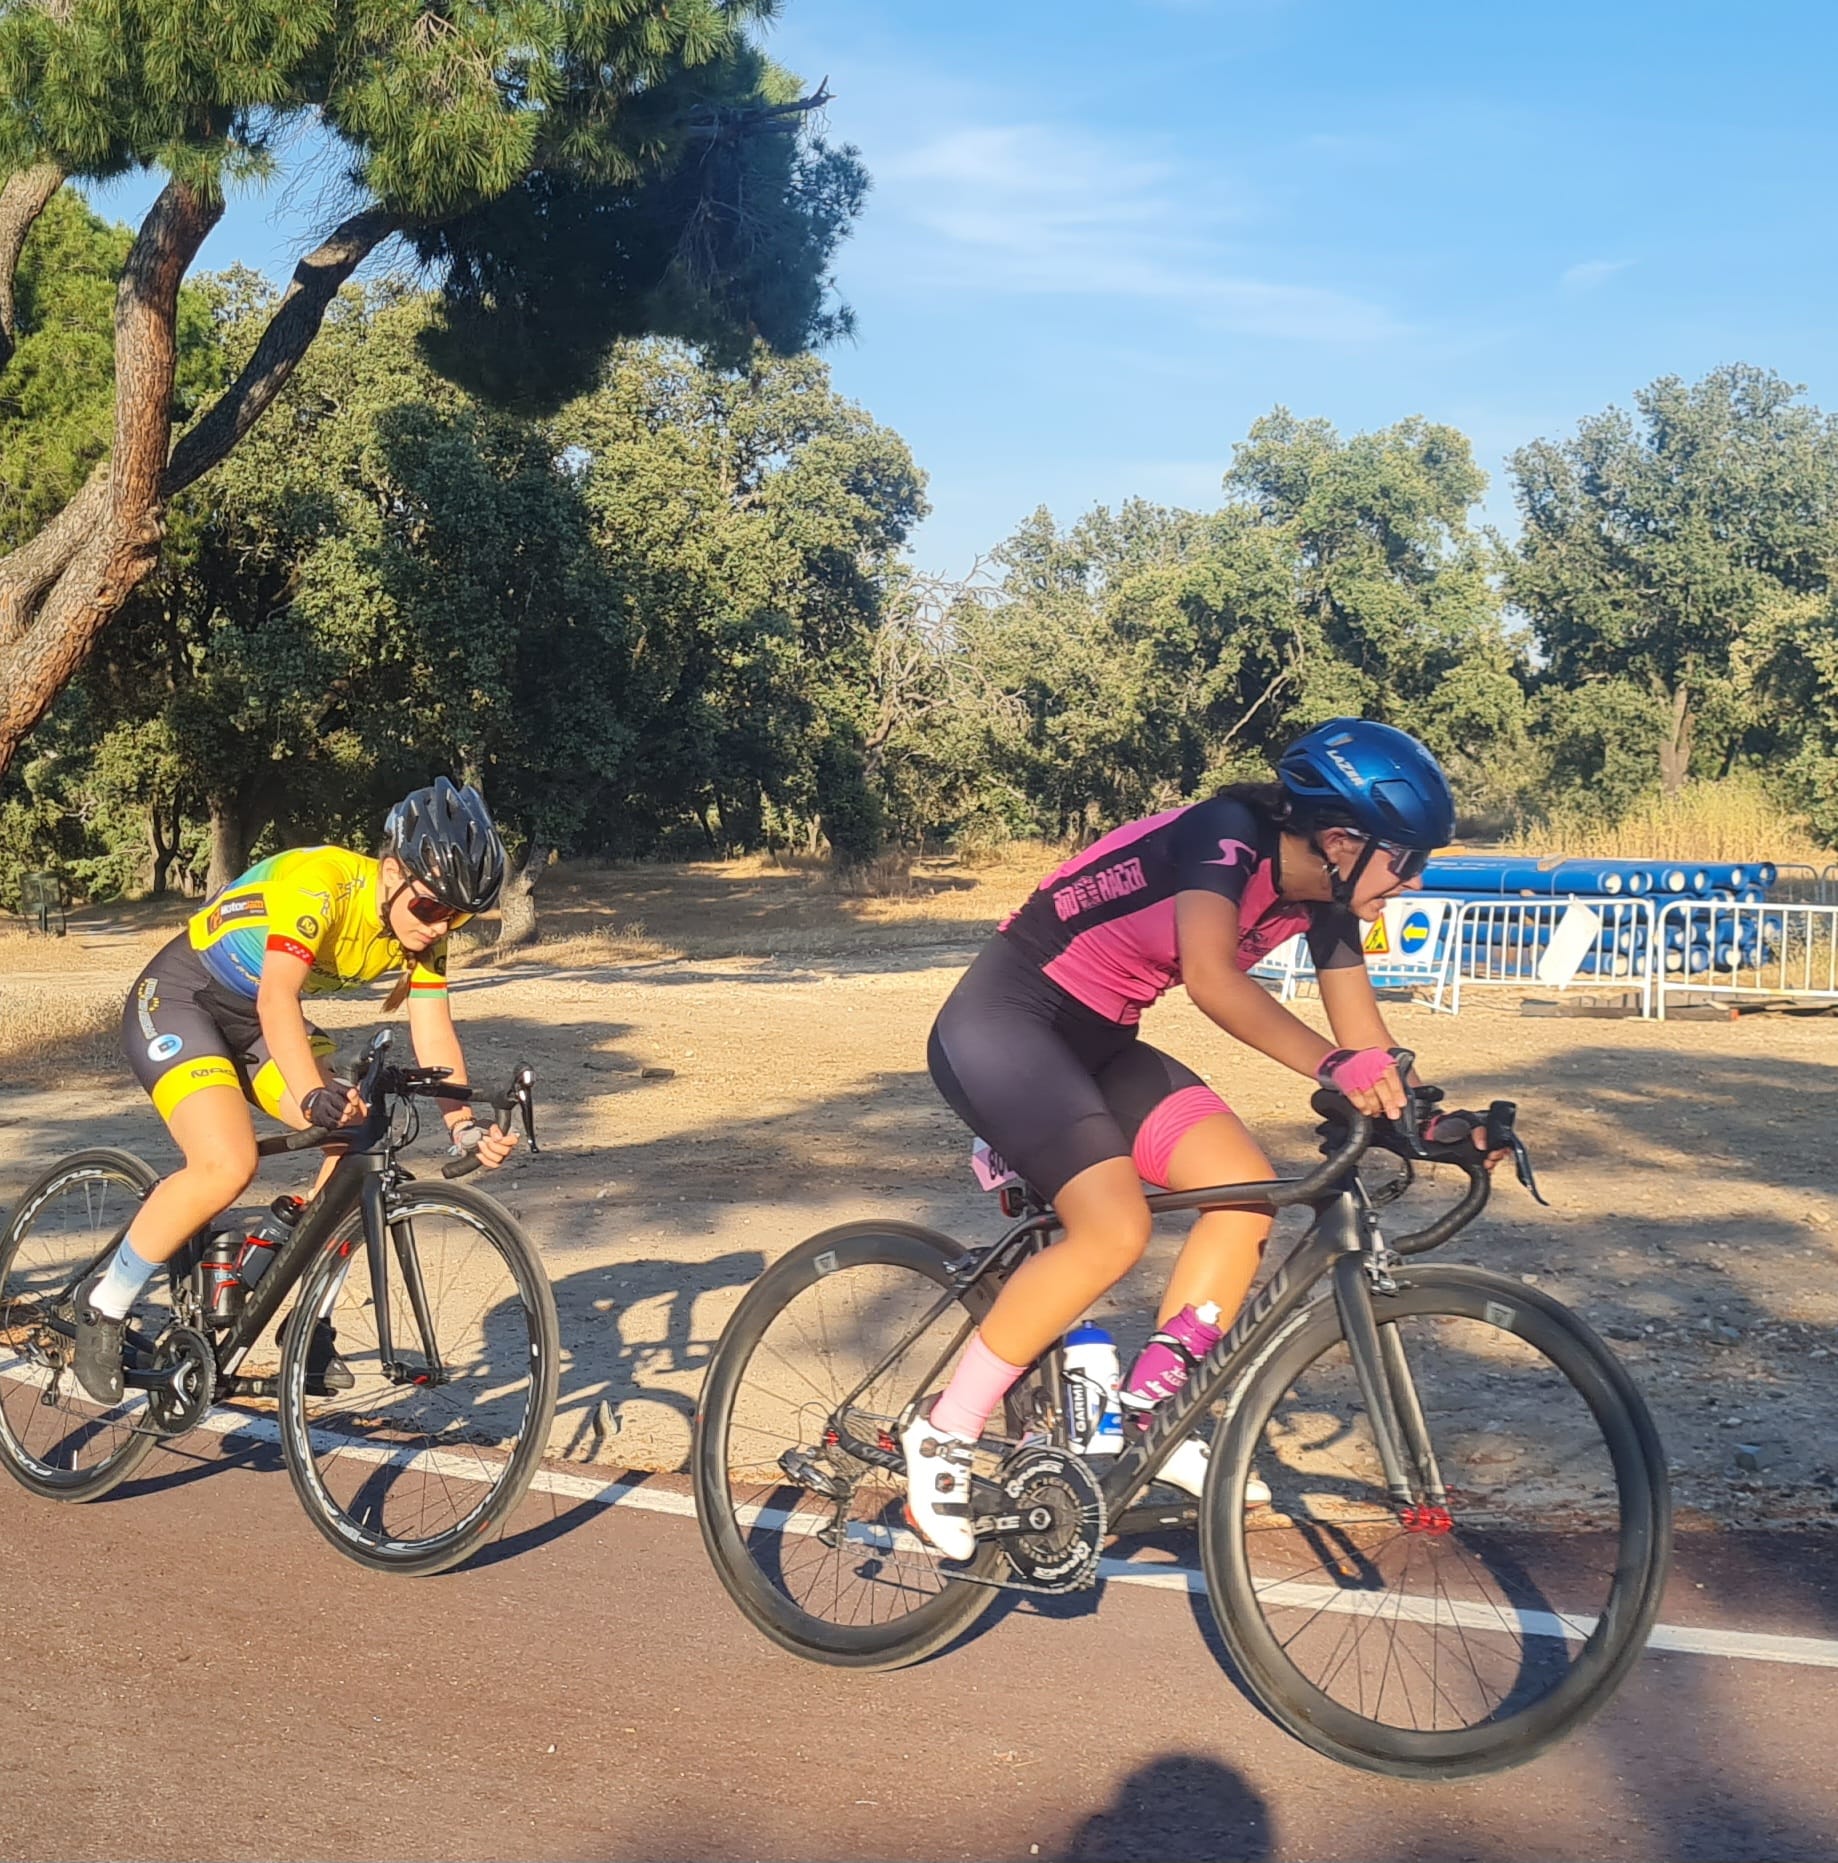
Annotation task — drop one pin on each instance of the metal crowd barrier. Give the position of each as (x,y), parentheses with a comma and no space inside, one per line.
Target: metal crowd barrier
(1555,943)
(1798,883)
(1411,947)
(1772,950)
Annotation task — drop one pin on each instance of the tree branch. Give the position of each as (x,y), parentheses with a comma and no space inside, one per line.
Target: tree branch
(25,196)
(289,334)
(30,570)
(708,125)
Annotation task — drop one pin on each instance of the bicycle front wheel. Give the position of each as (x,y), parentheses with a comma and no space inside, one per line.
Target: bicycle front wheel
(409,1465)
(55,1438)
(799,1485)
(1470,1631)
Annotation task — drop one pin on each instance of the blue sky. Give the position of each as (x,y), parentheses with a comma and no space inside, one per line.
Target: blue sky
(1104,237)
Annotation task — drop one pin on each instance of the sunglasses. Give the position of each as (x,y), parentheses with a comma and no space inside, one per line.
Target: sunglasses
(427,910)
(1407,863)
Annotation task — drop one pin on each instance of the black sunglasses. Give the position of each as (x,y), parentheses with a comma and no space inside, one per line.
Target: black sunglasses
(1407,863)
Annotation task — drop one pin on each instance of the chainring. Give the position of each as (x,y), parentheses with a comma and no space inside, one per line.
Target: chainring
(178,1407)
(1062,1518)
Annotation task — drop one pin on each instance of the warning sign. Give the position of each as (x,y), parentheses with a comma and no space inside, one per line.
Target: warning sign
(1378,940)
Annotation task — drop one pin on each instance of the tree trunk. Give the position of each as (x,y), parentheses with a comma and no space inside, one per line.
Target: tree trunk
(517,903)
(161,852)
(24,197)
(1675,744)
(229,845)
(62,587)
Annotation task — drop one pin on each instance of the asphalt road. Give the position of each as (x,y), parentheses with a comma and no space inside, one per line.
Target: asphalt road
(192,1672)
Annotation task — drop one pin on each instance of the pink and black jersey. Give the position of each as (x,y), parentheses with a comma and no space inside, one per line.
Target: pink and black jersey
(1102,926)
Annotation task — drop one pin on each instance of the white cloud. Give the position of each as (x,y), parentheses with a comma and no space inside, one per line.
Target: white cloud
(1591,273)
(1036,209)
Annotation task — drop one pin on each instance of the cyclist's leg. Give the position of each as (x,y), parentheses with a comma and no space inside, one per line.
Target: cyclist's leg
(1183,1136)
(181,1057)
(185,1061)
(1020,1063)
(1016,1059)
(269,1091)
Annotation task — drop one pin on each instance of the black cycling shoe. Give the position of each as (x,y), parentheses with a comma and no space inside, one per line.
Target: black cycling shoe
(97,1359)
(326,1373)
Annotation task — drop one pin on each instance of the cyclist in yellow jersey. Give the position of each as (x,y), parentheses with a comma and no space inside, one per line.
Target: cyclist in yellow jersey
(215,1022)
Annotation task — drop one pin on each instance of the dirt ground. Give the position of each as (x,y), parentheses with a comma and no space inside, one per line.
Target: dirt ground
(1693,1168)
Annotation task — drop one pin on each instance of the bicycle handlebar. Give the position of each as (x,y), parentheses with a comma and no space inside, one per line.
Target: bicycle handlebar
(379,1080)
(1421,1133)
(519,1096)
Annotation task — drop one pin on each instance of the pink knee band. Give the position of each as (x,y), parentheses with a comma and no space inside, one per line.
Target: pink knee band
(1167,1125)
(977,1386)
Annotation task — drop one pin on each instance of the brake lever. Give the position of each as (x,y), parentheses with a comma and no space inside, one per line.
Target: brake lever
(1503,1136)
(521,1096)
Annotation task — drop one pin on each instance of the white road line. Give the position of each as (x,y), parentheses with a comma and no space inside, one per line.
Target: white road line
(1675,1639)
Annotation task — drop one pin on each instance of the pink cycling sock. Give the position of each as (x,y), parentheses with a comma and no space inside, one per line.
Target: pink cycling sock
(977,1386)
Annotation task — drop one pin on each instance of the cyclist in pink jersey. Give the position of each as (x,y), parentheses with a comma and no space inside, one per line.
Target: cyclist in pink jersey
(1038,1051)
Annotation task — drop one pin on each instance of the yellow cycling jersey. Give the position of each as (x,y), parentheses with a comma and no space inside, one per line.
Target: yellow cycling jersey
(318,904)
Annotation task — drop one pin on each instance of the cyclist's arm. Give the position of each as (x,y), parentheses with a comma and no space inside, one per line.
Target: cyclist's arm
(1353,1014)
(437,1044)
(1206,928)
(1352,1008)
(285,968)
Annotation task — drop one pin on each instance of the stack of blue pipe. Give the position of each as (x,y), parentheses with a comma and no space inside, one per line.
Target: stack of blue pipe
(1707,938)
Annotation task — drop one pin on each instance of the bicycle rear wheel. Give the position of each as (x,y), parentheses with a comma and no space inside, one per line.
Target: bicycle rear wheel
(55,1438)
(409,1467)
(1469,1633)
(809,1538)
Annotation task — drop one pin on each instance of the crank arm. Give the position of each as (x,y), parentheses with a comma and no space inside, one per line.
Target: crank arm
(137,1379)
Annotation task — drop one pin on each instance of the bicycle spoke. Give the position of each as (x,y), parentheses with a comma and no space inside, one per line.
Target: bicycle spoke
(1410,1624)
(52,1433)
(399,1463)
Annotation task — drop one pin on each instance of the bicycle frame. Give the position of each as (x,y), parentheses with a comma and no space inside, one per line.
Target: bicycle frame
(1343,1244)
(359,1181)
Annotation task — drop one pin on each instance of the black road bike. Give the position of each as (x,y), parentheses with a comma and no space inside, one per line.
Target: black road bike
(1469,1525)
(418,1368)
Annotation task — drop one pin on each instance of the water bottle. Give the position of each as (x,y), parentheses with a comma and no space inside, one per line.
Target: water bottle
(264,1239)
(1162,1366)
(220,1288)
(1093,1372)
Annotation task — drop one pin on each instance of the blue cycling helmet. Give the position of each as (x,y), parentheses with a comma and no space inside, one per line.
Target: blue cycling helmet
(1378,782)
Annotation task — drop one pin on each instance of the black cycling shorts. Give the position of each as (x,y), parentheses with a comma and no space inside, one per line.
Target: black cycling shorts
(180,1034)
(1053,1086)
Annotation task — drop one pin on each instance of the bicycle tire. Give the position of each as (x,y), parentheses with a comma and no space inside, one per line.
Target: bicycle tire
(1641,1553)
(101,1166)
(947,1613)
(378,1440)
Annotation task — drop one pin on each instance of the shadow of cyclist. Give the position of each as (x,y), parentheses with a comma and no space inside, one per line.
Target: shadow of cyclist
(1179,1805)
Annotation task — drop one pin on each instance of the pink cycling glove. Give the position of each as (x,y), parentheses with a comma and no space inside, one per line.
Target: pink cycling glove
(1349,1070)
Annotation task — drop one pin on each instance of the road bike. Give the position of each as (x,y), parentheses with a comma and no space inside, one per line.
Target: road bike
(1469,1525)
(414,1395)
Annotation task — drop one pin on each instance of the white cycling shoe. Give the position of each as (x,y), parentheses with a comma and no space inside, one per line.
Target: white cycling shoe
(938,1486)
(1186,1469)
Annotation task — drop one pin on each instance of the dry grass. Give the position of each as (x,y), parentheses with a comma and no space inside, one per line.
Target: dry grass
(50,1031)
(768,906)
(1731,820)
(592,915)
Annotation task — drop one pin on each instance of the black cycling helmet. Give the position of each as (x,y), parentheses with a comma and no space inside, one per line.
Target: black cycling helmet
(444,836)
(1376,781)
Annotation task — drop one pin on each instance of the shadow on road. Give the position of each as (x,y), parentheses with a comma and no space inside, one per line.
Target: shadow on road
(1180,1805)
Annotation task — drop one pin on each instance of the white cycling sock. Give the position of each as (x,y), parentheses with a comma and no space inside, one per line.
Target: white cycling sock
(128,1272)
